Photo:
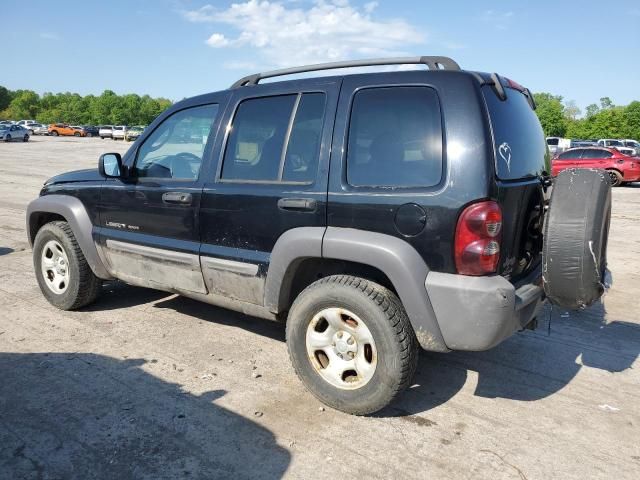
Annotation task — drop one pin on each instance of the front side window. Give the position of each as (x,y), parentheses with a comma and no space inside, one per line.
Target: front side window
(176,147)
(275,139)
(571,154)
(395,138)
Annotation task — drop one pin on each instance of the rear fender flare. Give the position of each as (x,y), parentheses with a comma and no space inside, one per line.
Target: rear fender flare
(398,260)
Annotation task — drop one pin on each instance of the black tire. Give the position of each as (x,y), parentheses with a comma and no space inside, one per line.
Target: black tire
(574,254)
(84,286)
(25,138)
(7,138)
(54,133)
(76,134)
(396,347)
(615,178)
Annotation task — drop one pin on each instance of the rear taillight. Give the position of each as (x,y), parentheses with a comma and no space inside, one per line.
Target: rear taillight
(478,236)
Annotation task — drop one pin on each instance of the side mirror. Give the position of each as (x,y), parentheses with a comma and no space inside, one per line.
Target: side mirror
(110,165)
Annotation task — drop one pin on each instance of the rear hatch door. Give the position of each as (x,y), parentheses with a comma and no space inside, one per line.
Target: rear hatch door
(521,160)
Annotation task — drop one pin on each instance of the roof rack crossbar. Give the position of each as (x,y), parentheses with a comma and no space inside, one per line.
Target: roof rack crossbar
(434,63)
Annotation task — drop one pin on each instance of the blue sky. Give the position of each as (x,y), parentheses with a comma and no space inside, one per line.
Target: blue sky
(582,50)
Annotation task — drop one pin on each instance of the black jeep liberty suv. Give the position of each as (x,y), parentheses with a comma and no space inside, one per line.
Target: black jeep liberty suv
(375,213)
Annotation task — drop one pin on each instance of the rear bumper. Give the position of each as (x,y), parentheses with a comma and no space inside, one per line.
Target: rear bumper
(477,313)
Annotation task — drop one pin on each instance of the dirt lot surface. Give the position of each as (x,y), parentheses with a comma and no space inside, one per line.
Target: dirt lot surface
(149,385)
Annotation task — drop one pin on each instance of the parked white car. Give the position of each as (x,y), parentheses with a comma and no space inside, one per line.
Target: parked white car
(26,123)
(558,144)
(119,132)
(610,143)
(105,131)
(9,133)
(630,143)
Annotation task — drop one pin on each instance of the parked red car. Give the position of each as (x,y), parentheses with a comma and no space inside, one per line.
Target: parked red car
(621,168)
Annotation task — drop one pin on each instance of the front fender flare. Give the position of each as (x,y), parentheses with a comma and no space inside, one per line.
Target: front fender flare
(74,212)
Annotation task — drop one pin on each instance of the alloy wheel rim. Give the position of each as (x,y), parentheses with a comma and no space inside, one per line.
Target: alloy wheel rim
(614,178)
(341,348)
(55,267)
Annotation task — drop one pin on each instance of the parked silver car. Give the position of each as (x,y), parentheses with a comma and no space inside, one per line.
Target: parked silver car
(13,132)
(38,129)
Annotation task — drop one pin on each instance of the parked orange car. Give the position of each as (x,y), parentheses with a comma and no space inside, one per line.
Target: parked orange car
(56,129)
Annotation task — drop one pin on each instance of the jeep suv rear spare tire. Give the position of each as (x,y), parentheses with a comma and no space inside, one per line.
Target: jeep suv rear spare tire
(574,255)
(351,343)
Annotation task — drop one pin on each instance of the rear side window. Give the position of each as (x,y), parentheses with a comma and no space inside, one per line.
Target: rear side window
(520,147)
(275,139)
(395,138)
(596,153)
(553,142)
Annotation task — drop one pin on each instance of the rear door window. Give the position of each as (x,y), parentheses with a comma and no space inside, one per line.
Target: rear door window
(519,142)
(395,138)
(275,139)
(596,153)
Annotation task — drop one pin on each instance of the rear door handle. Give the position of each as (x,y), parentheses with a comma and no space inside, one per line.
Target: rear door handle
(299,204)
(179,198)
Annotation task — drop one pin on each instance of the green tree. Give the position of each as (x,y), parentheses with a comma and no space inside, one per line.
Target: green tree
(605,103)
(592,109)
(551,114)
(5,98)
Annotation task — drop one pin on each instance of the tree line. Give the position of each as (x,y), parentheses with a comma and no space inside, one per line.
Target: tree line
(559,118)
(603,120)
(105,109)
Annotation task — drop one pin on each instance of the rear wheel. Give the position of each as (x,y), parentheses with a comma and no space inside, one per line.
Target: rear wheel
(63,274)
(7,138)
(54,133)
(615,178)
(25,138)
(351,343)
(77,134)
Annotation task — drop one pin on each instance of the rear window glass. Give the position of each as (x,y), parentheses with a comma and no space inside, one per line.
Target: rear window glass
(553,141)
(520,147)
(395,138)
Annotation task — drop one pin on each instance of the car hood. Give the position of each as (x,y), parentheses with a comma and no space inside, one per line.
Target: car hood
(87,175)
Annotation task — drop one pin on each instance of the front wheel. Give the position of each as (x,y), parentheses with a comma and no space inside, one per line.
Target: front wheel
(351,343)
(64,276)
(25,138)
(54,133)
(7,138)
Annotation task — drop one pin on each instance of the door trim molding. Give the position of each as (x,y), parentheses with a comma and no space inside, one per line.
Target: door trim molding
(241,268)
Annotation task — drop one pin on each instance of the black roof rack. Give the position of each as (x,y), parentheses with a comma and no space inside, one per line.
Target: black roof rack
(434,63)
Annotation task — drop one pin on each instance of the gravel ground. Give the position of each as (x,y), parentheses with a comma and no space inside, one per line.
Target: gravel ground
(149,385)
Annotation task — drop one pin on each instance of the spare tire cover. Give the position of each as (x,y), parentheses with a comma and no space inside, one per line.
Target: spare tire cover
(574,255)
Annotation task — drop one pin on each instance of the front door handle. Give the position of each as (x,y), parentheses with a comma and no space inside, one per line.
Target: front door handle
(298,204)
(179,198)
